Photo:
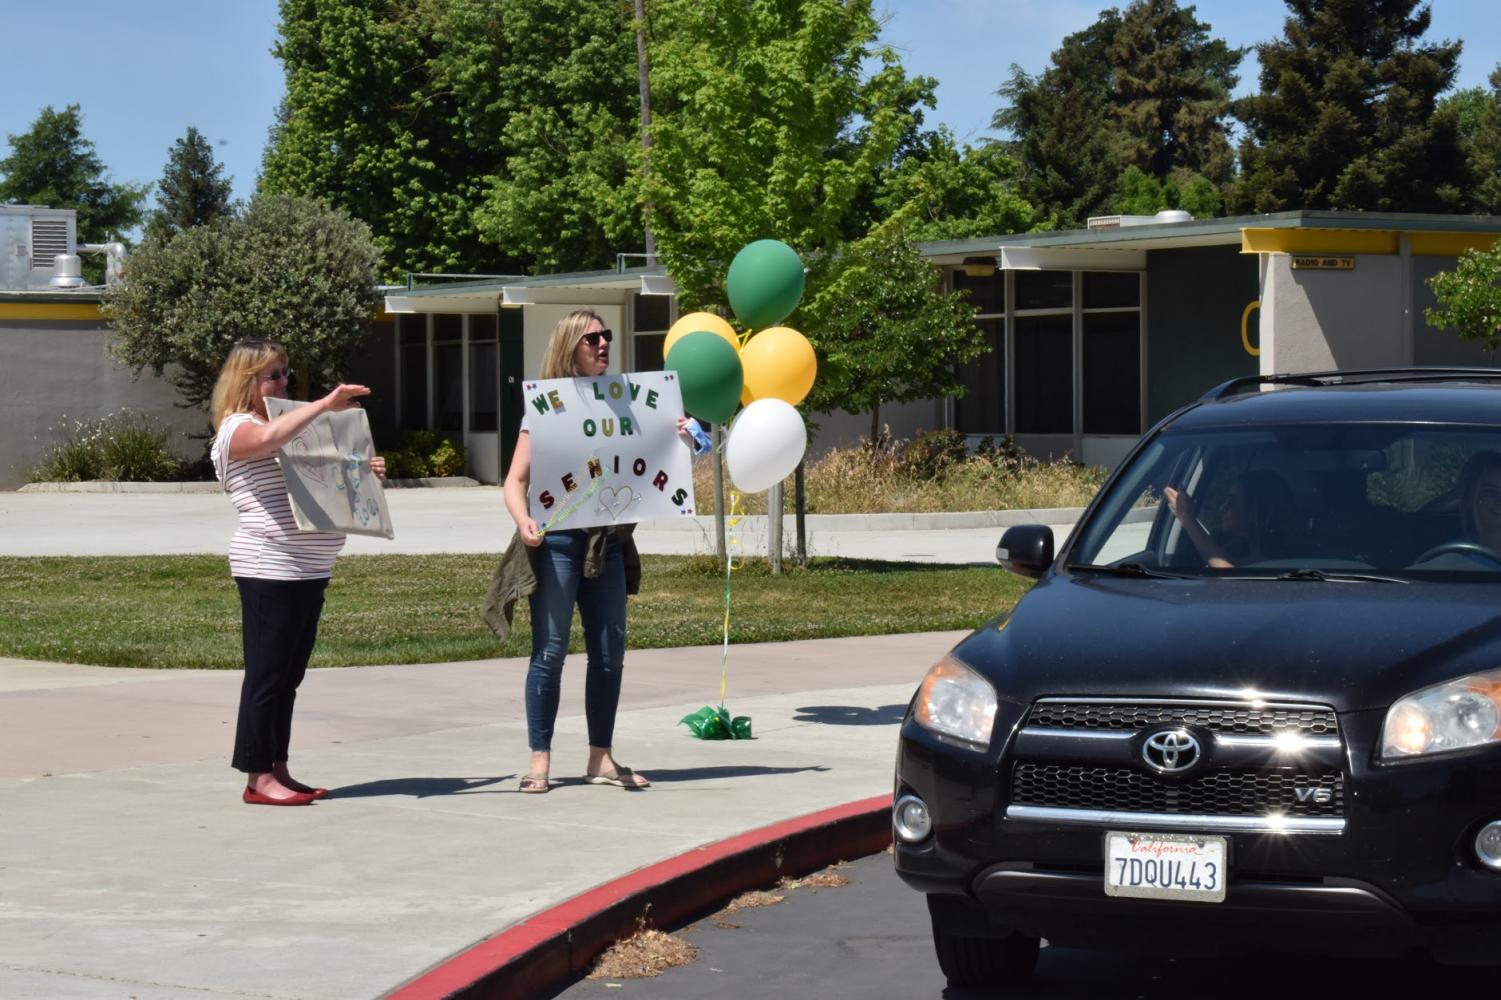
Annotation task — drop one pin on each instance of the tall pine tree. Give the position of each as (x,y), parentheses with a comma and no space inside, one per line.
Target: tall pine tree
(1170,91)
(193,190)
(1145,88)
(1347,117)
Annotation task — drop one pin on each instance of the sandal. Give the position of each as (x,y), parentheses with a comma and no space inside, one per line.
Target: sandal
(535,784)
(622,777)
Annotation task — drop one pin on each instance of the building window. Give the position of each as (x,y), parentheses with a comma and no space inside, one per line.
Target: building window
(1044,353)
(412,337)
(982,408)
(484,375)
(651,316)
(448,373)
(1112,372)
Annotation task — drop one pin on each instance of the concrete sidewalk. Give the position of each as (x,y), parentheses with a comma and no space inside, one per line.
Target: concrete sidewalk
(475,520)
(131,869)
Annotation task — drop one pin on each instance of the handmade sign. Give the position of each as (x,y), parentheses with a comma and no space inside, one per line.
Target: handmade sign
(329,479)
(606,450)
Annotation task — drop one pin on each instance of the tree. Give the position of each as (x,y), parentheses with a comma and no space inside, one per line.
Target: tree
(1170,91)
(477,135)
(1071,149)
(53,164)
(1477,112)
(192,191)
(1140,193)
(955,192)
(288,269)
(1469,297)
(1148,88)
(886,330)
(1347,116)
(765,123)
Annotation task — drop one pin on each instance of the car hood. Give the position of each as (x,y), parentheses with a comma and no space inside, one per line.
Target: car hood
(1350,645)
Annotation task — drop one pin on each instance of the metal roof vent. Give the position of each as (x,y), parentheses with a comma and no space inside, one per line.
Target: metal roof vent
(67,271)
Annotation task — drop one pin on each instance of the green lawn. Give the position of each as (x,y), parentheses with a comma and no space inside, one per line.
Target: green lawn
(183,611)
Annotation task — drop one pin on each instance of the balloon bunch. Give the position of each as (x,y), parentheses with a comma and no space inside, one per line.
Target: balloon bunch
(769,371)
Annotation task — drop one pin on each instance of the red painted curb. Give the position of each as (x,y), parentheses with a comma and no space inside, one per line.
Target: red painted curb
(546,948)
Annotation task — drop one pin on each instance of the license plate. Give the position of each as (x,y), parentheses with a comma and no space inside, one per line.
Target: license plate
(1186,867)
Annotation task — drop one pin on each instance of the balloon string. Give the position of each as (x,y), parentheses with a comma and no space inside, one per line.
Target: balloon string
(731,522)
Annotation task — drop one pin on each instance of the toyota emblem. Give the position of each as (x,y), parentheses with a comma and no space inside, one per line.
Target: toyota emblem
(1171,751)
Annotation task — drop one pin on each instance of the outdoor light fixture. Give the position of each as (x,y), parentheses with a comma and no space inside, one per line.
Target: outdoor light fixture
(978,267)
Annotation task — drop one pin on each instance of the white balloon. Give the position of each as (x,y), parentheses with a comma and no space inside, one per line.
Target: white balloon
(765,443)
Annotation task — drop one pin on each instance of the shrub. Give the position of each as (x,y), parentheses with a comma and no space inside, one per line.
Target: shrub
(124,446)
(420,454)
(932,454)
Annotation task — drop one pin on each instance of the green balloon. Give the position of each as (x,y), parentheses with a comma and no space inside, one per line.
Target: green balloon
(765,283)
(710,375)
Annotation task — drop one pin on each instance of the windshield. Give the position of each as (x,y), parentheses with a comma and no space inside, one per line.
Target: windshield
(1396,500)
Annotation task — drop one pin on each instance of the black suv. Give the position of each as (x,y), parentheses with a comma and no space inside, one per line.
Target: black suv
(1254,702)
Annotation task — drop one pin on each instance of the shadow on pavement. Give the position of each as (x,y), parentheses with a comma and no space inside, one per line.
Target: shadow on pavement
(851,715)
(417,788)
(667,776)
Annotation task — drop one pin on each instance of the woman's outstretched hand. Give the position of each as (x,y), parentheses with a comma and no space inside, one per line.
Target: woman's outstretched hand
(343,395)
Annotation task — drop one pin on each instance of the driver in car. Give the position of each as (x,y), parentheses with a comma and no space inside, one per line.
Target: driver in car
(1257,515)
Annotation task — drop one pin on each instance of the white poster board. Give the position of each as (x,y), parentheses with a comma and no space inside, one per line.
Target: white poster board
(606,450)
(327,469)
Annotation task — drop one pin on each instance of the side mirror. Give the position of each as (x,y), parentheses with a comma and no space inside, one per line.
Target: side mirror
(1026,549)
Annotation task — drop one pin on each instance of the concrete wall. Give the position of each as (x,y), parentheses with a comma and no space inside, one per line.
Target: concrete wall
(1316,320)
(53,372)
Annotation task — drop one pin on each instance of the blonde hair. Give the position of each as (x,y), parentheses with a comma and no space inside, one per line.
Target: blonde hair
(558,359)
(235,392)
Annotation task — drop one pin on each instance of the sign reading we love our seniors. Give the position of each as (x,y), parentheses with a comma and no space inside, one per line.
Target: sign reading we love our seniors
(606,450)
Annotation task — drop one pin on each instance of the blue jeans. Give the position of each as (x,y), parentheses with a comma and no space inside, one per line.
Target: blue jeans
(601,602)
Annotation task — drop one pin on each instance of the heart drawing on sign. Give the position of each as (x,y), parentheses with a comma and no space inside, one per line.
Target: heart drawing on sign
(617,500)
(302,450)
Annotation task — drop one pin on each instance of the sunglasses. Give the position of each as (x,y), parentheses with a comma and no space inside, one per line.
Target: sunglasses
(277,374)
(593,339)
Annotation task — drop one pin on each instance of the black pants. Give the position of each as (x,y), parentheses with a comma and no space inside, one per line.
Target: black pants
(279,623)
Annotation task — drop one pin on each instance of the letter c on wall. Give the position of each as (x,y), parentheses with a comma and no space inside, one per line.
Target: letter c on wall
(1245,322)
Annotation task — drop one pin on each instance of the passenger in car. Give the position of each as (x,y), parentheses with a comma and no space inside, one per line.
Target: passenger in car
(1257,519)
(1479,544)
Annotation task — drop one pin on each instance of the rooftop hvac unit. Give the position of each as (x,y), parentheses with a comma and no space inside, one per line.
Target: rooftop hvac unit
(31,239)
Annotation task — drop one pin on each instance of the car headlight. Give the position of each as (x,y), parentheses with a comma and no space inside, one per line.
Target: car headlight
(1465,712)
(956,701)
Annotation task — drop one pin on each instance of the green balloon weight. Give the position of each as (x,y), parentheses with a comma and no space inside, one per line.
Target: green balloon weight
(710,375)
(765,283)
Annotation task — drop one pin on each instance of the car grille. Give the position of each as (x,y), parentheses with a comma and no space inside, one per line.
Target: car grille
(1217,718)
(1218,793)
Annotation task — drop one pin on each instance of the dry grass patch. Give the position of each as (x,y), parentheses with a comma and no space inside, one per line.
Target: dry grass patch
(818,880)
(752,900)
(643,955)
(933,473)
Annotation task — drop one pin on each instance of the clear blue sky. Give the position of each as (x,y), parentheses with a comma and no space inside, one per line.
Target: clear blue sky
(144,70)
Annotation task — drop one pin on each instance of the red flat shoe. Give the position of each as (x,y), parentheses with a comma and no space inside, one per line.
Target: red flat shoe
(319,793)
(255,798)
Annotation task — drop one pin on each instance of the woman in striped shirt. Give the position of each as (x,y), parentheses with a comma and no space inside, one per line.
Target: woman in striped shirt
(281,572)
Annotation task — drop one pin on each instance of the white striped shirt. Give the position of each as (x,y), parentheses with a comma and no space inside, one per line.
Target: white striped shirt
(267,544)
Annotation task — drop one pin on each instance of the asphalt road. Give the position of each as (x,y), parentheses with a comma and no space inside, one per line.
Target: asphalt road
(871,939)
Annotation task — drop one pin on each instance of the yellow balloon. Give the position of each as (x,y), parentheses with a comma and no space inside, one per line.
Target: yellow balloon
(746,396)
(693,323)
(779,364)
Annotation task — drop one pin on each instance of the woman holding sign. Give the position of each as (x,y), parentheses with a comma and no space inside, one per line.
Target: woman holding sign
(281,572)
(592,568)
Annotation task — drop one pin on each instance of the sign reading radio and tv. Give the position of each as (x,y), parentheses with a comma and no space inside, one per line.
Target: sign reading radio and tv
(1322,262)
(606,450)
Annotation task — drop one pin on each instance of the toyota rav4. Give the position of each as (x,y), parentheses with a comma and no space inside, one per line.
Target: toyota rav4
(1255,698)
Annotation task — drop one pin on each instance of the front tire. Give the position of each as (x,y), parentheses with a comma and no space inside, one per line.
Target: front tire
(996,961)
